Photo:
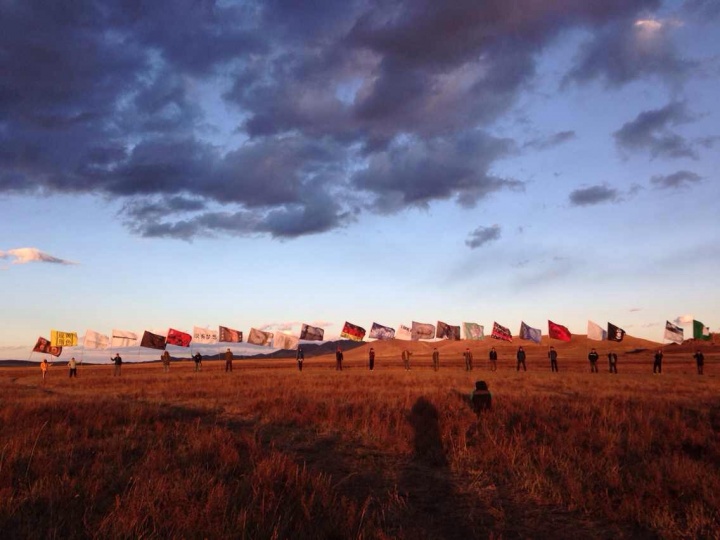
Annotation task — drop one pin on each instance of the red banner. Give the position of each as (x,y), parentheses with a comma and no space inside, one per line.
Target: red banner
(501,333)
(558,331)
(178,338)
(43,346)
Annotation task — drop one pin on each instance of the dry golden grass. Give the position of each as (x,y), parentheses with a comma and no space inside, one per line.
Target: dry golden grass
(267,452)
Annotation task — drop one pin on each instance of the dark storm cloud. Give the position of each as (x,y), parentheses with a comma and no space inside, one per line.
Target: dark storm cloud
(629,50)
(703,9)
(651,131)
(416,172)
(482,235)
(593,195)
(680,179)
(550,141)
(388,101)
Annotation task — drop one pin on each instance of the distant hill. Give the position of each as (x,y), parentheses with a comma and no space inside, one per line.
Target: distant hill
(578,346)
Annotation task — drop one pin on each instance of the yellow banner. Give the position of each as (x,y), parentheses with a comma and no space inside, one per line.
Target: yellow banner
(63,339)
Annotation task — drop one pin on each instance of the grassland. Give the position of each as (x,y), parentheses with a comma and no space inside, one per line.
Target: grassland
(268,452)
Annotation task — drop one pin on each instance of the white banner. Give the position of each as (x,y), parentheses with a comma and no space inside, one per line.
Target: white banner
(204,336)
(123,338)
(673,332)
(403,332)
(285,341)
(596,332)
(95,340)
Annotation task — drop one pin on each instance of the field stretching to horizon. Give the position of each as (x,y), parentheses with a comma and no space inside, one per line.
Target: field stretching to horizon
(269,452)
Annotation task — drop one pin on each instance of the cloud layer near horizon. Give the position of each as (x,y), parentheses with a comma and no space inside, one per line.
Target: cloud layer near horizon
(336,108)
(28,255)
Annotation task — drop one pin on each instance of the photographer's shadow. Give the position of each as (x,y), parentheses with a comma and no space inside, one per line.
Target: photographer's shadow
(434,504)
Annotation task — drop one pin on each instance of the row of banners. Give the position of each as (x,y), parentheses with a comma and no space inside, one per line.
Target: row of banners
(280,340)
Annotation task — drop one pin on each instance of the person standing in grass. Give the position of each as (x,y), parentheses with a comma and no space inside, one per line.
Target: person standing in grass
(521,359)
(228,360)
(165,358)
(493,359)
(406,359)
(300,357)
(73,368)
(593,357)
(197,358)
(552,355)
(118,365)
(338,359)
(700,360)
(657,363)
(612,360)
(436,359)
(44,368)
(371,359)
(467,355)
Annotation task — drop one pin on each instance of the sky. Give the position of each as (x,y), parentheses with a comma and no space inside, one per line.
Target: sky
(172,164)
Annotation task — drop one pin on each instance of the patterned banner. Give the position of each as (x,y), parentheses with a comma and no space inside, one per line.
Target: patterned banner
(311,333)
(178,338)
(378,331)
(615,333)
(285,341)
(152,341)
(445,331)
(43,346)
(95,340)
(63,339)
(501,333)
(352,331)
(422,331)
(204,336)
(258,337)
(230,336)
(530,333)
(123,338)
(473,330)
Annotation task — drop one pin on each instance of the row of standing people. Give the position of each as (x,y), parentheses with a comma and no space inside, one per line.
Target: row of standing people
(593,358)
(521,357)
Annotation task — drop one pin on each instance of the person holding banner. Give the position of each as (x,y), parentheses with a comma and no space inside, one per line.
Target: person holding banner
(228,360)
(467,355)
(552,355)
(612,360)
(300,357)
(44,368)
(657,363)
(406,359)
(73,368)
(118,364)
(593,358)
(493,359)
(165,358)
(338,359)
(700,360)
(521,359)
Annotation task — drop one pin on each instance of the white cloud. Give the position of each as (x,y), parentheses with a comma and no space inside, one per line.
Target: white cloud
(684,319)
(27,255)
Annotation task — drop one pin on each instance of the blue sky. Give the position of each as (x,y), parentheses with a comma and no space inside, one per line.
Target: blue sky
(252,165)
